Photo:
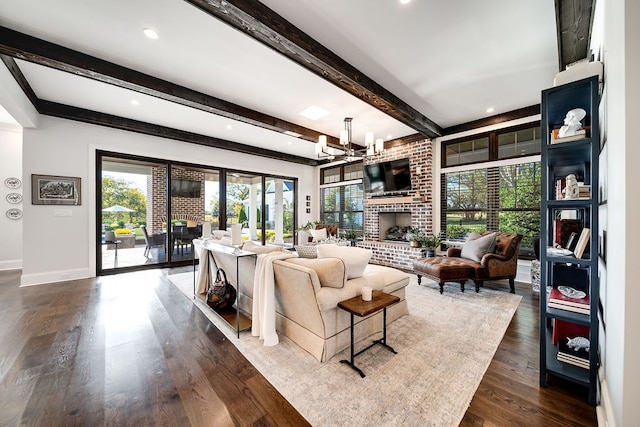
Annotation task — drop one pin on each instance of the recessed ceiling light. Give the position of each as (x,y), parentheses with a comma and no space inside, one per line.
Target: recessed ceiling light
(405,1)
(314,112)
(490,110)
(151,33)
(135,102)
(293,134)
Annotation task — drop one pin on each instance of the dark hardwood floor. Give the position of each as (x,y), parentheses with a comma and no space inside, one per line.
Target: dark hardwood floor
(510,395)
(130,349)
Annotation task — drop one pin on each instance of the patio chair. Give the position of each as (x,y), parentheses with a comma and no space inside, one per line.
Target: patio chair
(183,237)
(155,240)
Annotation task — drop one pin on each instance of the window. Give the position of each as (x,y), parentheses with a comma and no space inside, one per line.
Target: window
(519,143)
(502,196)
(342,205)
(342,202)
(505,198)
(469,151)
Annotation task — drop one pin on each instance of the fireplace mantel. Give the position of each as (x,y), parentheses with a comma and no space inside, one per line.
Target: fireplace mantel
(391,200)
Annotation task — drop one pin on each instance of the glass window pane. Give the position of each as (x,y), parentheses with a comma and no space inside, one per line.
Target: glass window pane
(520,143)
(471,151)
(244,195)
(133,199)
(331,175)
(452,153)
(353,171)
(279,197)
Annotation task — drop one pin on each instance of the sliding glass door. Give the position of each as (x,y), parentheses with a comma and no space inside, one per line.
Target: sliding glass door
(194,191)
(149,211)
(132,194)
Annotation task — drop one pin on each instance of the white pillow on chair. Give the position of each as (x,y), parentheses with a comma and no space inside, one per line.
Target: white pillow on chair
(319,235)
(476,246)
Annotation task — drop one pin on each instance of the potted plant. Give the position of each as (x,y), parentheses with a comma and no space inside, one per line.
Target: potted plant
(415,237)
(431,243)
(351,236)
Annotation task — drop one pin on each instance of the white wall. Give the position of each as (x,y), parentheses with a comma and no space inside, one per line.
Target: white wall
(622,74)
(11,166)
(63,247)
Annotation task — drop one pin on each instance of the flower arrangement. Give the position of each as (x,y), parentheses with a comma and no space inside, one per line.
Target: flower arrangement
(123,231)
(415,236)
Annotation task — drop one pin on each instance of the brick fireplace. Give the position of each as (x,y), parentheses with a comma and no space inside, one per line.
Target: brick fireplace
(413,208)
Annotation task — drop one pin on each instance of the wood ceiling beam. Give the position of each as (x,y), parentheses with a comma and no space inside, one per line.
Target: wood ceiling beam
(574,19)
(263,24)
(55,109)
(41,52)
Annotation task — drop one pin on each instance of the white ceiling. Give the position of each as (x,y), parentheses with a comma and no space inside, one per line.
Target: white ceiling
(449,60)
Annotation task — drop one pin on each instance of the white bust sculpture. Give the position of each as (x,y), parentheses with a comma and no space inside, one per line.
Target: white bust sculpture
(572,122)
(571,190)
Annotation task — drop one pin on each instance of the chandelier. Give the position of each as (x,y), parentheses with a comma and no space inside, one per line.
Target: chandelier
(347,152)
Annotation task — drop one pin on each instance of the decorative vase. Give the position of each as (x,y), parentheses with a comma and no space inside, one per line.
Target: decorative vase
(415,244)
(430,253)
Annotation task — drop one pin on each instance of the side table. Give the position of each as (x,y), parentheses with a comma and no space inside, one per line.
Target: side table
(357,306)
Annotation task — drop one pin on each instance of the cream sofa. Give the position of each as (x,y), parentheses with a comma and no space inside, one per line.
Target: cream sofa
(307,292)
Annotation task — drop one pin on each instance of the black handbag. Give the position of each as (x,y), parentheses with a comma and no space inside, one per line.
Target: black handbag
(221,295)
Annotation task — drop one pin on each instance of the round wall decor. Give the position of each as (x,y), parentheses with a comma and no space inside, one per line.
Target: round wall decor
(12,182)
(14,198)
(14,213)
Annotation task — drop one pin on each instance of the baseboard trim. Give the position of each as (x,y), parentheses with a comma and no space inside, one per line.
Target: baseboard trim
(12,264)
(54,277)
(604,412)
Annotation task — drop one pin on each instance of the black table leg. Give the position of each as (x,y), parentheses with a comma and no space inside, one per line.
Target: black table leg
(382,342)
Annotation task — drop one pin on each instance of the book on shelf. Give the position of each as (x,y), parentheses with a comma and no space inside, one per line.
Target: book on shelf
(570,355)
(557,297)
(574,362)
(571,243)
(556,139)
(584,191)
(583,240)
(562,229)
(568,308)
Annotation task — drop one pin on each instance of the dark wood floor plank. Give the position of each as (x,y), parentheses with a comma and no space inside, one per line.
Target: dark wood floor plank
(131,349)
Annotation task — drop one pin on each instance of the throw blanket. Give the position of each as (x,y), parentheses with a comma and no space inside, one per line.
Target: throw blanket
(263,313)
(204,275)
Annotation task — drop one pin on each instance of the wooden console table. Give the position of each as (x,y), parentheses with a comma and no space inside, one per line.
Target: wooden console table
(357,306)
(236,319)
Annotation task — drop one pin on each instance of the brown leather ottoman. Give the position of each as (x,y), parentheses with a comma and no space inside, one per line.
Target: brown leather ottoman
(443,269)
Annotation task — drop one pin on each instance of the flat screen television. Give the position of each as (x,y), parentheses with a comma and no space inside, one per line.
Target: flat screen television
(185,188)
(386,177)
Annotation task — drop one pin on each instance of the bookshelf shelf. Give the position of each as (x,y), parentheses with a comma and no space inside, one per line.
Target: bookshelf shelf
(578,157)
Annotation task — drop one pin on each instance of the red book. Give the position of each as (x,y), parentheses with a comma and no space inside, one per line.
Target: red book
(557,297)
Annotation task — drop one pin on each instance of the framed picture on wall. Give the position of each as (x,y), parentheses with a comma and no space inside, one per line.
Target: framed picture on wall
(55,190)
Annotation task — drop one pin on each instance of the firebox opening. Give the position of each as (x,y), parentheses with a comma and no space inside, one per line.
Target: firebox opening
(394,225)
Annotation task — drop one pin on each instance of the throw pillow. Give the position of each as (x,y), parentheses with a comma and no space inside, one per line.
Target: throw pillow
(331,271)
(474,249)
(319,235)
(355,259)
(306,251)
(259,249)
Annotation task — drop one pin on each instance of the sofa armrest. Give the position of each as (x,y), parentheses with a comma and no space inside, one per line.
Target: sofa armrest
(486,258)
(296,287)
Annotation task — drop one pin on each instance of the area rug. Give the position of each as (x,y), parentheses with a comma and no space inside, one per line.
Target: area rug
(444,347)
